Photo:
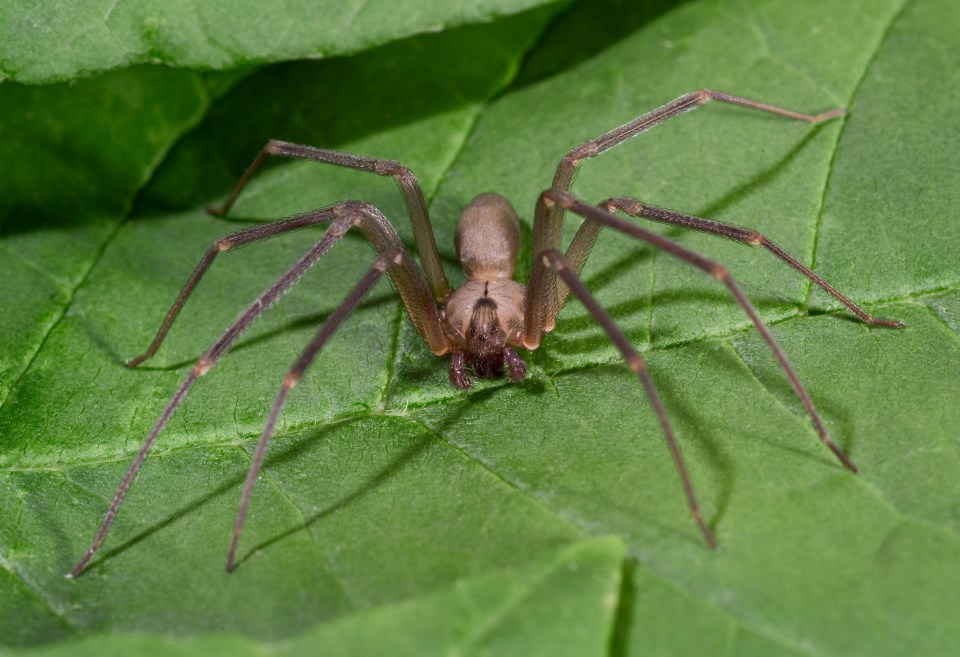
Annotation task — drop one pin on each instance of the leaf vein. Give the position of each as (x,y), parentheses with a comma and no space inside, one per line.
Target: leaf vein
(33,266)
(38,594)
(15,382)
(836,146)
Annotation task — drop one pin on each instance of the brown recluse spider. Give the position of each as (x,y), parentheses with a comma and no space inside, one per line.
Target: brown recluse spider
(481,323)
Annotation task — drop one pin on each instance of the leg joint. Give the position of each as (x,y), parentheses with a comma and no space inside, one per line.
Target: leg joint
(719,272)
(554,260)
(635,362)
(584,150)
(390,168)
(290,380)
(203,366)
(556,196)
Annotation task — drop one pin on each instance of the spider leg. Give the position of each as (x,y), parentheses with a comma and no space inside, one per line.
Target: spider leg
(338,227)
(537,299)
(416,296)
(343,216)
(406,181)
(558,263)
(382,263)
(227,243)
(547,233)
(583,240)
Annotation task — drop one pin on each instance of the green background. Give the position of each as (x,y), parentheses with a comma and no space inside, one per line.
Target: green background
(395,514)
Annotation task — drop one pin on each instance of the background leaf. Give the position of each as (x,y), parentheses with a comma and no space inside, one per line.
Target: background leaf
(491,614)
(386,490)
(51,43)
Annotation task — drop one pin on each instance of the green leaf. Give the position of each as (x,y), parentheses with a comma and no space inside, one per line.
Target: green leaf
(386,492)
(51,43)
(497,613)
(76,156)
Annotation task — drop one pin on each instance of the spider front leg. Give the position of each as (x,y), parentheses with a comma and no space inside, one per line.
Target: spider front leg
(412,288)
(547,233)
(382,263)
(539,300)
(408,279)
(406,181)
(558,263)
(580,246)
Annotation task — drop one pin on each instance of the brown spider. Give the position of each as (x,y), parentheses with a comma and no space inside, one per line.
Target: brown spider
(481,323)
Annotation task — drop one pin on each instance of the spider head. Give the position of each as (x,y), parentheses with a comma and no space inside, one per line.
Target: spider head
(482,319)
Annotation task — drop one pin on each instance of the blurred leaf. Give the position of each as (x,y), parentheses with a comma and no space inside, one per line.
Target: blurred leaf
(44,43)
(75,155)
(385,489)
(558,605)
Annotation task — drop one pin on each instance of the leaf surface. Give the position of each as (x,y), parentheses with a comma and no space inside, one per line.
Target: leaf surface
(385,491)
(51,43)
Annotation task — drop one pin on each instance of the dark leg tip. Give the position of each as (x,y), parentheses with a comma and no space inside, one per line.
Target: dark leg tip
(889,323)
(78,569)
(847,463)
(832,114)
(215,211)
(707,536)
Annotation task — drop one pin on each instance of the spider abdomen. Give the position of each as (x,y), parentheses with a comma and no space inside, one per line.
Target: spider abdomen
(488,238)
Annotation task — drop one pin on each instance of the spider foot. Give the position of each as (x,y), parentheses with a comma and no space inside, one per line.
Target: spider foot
(832,114)
(889,323)
(707,534)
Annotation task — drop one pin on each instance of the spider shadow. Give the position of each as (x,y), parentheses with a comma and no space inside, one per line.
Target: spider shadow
(682,410)
(770,376)
(307,321)
(370,485)
(277,455)
(582,335)
(315,320)
(749,187)
(641,253)
(231,483)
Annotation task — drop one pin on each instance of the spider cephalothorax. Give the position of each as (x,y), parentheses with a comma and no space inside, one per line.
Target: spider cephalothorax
(484,317)
(482,322)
